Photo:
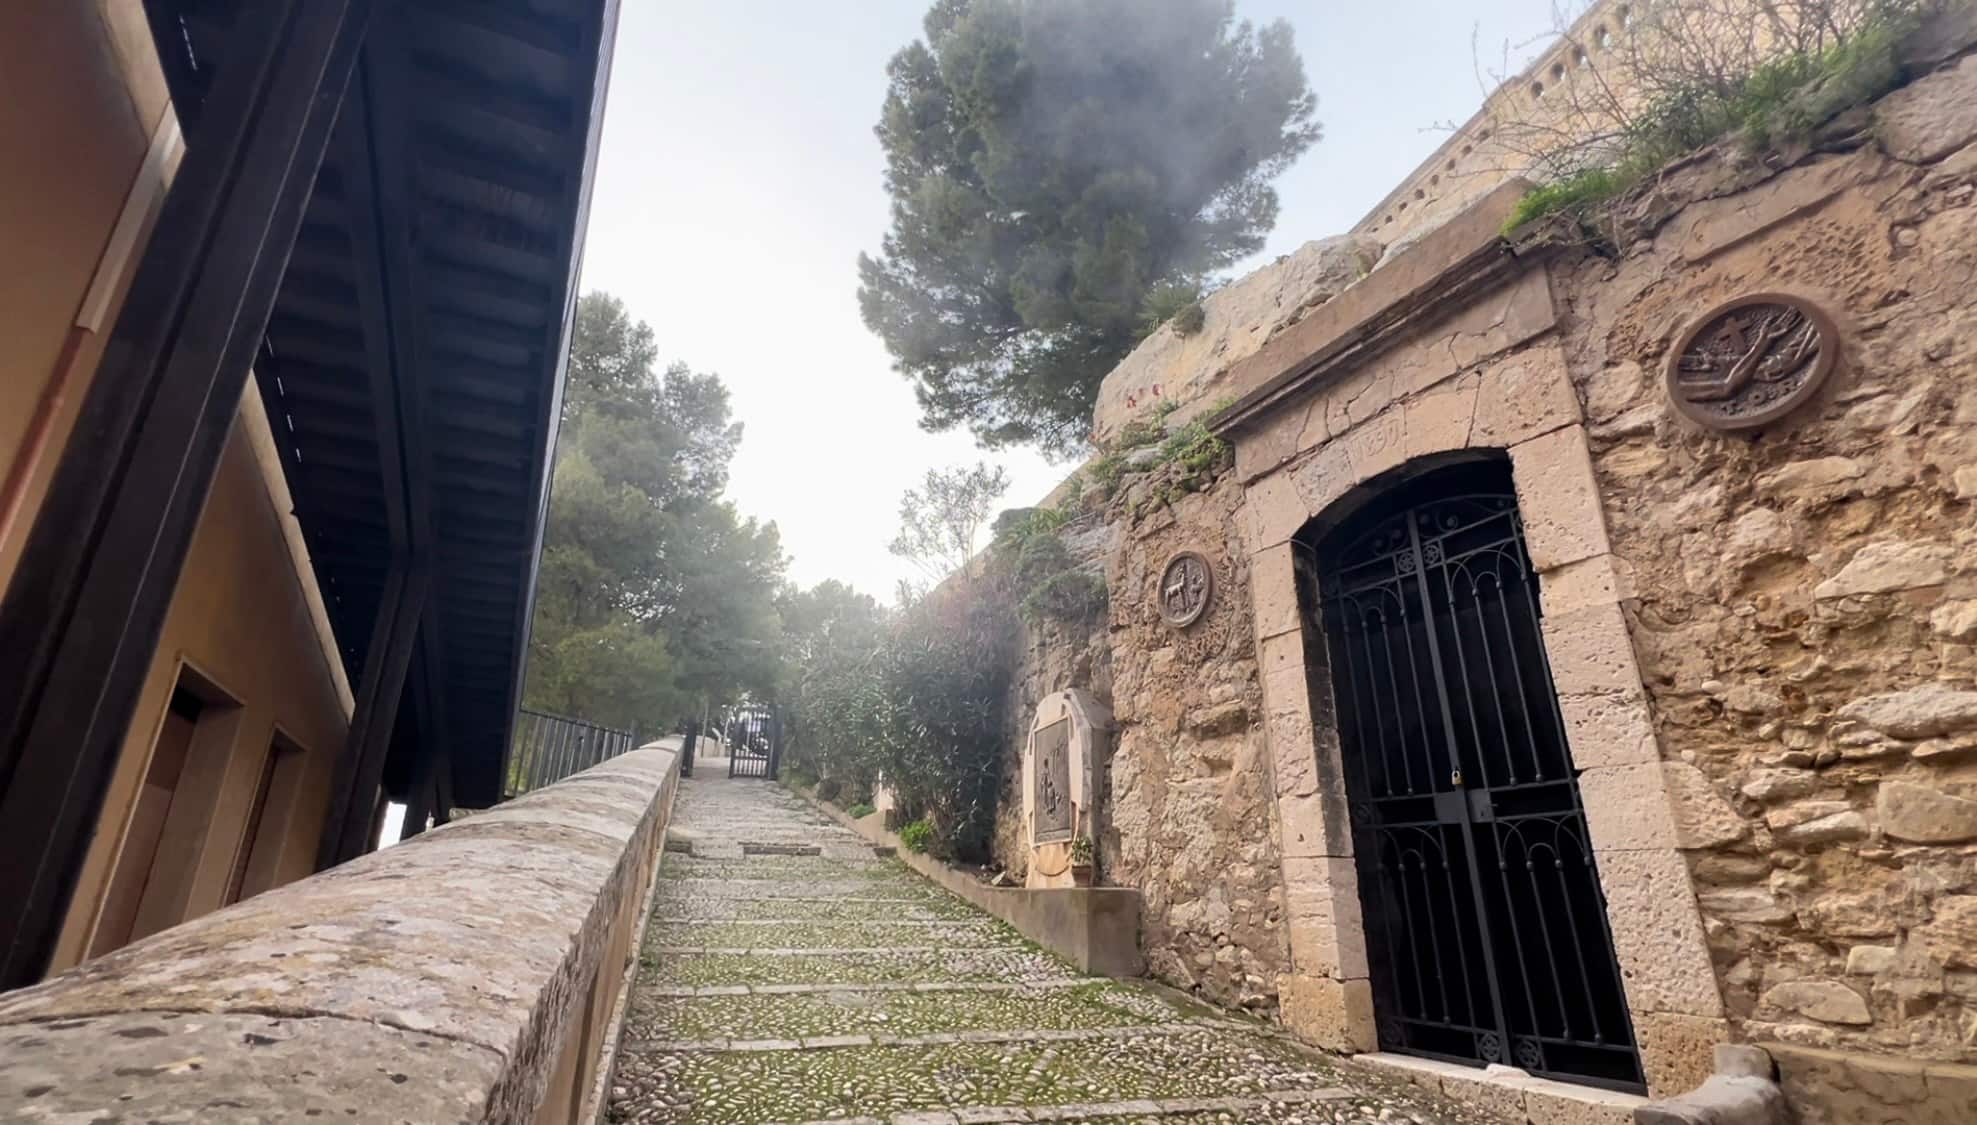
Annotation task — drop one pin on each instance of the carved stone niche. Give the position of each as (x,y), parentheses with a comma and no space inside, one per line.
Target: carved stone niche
(1060,784)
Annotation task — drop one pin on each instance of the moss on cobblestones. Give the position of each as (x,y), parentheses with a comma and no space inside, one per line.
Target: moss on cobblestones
(956,934)
(803,1085)
(849,968)
(1067,1043)
(853,1012)
(672,907)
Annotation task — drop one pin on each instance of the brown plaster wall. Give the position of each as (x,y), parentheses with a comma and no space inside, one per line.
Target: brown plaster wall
(240,620)
(1803,601)
(79,108)
(85,100)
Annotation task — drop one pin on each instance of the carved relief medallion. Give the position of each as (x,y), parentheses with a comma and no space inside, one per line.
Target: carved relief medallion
(1185,589)
(1752,360)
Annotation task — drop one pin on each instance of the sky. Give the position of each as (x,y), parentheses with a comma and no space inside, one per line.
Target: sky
(739,179)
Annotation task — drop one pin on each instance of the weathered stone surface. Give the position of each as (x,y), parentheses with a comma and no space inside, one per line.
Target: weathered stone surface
(1321,909)
(1591,653)
(1608,728)
(1770,785)
(1334,1014)
(1823,1000)
(1238,320)
(1558,498)
(1950,937)
(1924,815)
(1678,1051)
(1817,476)
(1932,118)
(1881,568)
(1703,819)
(1917,712)
(1828,1087)
(1745,904)
(487,987)
(1828,829)
(1870,960)
(203,1066)
(1522,395)
(1956,620)
(1657,935)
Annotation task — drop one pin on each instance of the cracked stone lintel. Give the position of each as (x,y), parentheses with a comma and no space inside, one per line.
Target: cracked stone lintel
(430,981)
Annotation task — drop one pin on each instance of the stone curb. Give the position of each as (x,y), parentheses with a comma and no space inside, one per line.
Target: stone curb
(855,923)
(935,1038)
(689,992)
(1142,1107)
(817,951)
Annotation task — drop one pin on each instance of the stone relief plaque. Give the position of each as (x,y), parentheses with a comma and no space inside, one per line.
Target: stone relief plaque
(1752,360)
(1186,586)
(1052,821)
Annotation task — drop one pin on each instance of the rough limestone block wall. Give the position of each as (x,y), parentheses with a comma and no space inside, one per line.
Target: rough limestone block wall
(437,980)
(1803,602)
(1189,812)
(1186,810)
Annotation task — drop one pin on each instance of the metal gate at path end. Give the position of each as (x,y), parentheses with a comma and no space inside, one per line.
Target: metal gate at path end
(754,737)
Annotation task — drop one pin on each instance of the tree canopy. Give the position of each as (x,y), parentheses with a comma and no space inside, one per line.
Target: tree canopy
(654,594)
(1055,170)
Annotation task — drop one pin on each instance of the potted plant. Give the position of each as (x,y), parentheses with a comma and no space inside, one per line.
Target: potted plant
(1083,860)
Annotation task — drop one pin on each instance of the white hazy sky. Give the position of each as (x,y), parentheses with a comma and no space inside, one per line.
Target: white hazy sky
(739,179)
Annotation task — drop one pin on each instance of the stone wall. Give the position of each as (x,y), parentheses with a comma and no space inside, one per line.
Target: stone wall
(1764,645)
(1186,814)
(1803,601)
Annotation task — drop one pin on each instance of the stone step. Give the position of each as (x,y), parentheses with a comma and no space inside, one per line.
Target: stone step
(1271,1105)
(922,1039)
(849,966)
(803,1085)
(917,1009)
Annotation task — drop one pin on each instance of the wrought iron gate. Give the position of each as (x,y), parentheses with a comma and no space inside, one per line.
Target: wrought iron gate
(1485,926)
(754,741)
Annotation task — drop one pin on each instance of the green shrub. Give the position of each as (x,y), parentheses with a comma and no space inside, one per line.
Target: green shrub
(1178,302)
(917,835)
(1068,595)
(1781,101)
(861,810)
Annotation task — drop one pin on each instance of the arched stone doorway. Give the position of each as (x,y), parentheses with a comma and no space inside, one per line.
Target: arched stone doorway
(1486,933)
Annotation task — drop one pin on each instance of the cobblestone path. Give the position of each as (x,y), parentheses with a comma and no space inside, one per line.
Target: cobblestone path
(839,985)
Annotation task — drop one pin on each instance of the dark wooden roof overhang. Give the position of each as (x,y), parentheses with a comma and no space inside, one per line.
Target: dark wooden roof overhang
(413,365)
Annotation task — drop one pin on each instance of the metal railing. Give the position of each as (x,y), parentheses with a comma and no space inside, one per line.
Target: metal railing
(549,748)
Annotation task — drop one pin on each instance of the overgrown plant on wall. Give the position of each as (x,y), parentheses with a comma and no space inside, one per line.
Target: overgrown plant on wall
(1658,81)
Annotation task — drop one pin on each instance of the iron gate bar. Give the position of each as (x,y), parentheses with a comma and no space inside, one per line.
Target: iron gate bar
(549,748)
(1434,583)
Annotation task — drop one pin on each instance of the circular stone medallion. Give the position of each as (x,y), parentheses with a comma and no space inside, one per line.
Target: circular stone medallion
(1186,585)
(1750,361)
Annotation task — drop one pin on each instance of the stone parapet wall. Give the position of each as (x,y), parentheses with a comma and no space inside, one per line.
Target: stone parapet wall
(465,975)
